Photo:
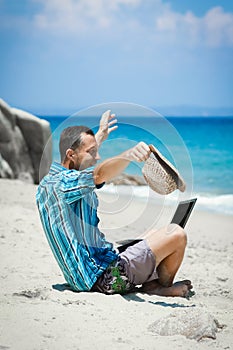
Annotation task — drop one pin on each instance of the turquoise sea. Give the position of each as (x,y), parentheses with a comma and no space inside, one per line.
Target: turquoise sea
(200,147)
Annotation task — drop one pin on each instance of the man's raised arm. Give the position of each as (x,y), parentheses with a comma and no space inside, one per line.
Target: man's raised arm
(112,167)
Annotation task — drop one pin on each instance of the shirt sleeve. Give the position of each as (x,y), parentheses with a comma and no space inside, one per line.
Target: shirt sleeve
(75,184)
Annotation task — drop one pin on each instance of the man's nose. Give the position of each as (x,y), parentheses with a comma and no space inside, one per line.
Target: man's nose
(97,157)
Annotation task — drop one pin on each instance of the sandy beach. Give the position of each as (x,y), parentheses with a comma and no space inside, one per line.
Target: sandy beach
(37,312)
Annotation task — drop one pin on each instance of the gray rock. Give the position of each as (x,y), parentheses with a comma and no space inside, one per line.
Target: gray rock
(36,133)
(129,180)
(26,177)
(5,109)
(16,154)
(23,139)
(192,323)
(5,169)
(5,128)
(12,144)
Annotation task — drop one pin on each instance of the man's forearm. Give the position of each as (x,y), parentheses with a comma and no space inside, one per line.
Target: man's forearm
(111,168)
(114,166)
(100,137)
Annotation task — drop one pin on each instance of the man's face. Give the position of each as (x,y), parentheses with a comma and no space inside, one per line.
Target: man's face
(86,155)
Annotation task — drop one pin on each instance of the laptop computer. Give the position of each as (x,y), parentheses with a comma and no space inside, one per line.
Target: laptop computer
(183,212)
(180,218)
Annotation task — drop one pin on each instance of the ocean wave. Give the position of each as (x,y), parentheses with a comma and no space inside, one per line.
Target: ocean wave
(213,203)
(219,203)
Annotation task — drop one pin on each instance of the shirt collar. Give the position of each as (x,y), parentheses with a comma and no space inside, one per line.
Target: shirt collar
(56,168)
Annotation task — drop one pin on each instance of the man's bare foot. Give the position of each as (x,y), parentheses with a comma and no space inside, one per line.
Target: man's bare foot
(182,289)
(178,289)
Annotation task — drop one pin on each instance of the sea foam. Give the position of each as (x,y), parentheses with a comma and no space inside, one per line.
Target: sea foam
(214,203)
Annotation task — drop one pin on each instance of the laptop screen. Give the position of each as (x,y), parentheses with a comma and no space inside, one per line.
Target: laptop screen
(183,212)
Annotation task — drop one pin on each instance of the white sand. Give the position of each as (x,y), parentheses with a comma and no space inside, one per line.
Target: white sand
(36,316)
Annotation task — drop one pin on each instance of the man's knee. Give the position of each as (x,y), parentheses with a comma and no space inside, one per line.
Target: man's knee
(178,233)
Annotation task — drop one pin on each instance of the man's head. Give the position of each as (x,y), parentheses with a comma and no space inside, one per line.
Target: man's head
(78,148)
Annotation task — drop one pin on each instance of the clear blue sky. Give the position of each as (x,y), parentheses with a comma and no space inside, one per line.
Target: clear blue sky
(60,55)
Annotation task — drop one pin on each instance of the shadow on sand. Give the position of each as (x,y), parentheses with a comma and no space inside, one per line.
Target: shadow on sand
(128,297)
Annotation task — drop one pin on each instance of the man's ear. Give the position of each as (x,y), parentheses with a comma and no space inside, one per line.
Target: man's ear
(69,154)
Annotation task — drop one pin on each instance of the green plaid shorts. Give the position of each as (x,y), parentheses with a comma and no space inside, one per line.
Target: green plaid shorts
(114,279)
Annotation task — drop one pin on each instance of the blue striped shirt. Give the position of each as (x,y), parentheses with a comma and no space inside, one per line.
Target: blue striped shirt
(67,205)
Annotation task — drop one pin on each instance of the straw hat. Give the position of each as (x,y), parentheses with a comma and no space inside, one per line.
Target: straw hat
(160,174)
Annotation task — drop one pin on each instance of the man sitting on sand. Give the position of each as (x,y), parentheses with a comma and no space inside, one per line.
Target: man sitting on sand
(67,204)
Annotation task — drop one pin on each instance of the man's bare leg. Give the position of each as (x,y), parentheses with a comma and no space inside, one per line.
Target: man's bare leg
(168,246)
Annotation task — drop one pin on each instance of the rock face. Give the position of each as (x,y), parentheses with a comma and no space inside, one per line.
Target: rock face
(5,169)
(130,180)
(23,138)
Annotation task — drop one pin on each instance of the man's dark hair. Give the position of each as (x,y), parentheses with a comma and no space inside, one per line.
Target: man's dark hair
(71,137)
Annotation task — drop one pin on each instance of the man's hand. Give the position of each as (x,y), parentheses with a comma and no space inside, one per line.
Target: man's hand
(106,126)
(138,153)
